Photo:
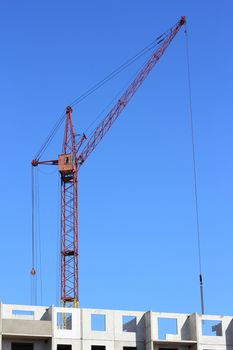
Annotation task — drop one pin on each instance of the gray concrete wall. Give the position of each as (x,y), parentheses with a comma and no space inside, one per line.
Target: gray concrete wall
(27,328)
(121,329)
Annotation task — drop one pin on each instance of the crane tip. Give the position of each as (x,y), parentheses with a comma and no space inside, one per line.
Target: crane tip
(69,109)
(182,20)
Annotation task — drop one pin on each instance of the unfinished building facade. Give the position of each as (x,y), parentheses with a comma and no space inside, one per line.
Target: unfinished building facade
(55,328)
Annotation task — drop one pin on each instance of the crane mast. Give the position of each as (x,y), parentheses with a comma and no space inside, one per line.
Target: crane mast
(69,163)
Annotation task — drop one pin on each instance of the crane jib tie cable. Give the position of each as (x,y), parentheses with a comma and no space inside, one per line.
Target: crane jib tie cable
(95,87)
(194,175)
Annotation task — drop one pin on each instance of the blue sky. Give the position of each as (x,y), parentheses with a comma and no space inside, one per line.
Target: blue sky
(138,247)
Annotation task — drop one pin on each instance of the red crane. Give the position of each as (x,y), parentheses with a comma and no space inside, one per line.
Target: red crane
(73,155)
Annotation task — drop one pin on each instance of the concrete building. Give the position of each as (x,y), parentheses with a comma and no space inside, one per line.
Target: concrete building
(55,328)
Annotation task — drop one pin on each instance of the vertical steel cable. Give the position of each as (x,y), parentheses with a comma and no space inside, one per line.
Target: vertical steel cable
(194,173)
(33,271)
(39,238)
(33,218)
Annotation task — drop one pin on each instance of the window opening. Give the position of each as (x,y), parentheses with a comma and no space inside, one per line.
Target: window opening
(212,328)
(166,326)
(64,347)
(21,346)
(98,347)
(98,322)
(23,312)
(64,320)
(129,323)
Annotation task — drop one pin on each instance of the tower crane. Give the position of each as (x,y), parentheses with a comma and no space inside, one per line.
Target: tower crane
(73,155)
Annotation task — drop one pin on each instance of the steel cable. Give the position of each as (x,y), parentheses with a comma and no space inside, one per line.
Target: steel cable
(194,173)
(95,87)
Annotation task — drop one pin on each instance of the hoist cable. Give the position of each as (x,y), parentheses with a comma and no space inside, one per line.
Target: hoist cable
(194,173)
(39,240)
(33,218)
(33,270)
